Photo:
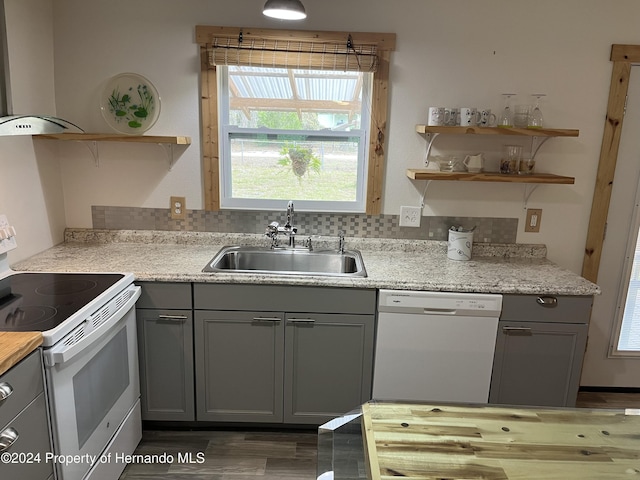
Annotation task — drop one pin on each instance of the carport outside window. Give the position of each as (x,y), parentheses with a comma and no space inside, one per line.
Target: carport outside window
(293,134)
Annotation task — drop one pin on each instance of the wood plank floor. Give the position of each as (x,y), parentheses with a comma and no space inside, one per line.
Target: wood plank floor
(228,455)
(265,454)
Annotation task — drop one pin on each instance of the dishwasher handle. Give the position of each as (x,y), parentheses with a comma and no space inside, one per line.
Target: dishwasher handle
(439,311)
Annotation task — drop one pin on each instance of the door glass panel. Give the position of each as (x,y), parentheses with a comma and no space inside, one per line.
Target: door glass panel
(629,335)
(99,384)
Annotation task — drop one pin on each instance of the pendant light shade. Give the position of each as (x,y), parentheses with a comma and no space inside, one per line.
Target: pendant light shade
(284,9)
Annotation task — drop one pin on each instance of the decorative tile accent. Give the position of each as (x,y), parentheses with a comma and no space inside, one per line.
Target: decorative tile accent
(488,230)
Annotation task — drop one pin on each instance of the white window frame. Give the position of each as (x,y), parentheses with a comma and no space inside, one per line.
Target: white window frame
(228,201)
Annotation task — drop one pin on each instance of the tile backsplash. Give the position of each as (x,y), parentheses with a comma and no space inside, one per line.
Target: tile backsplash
(488,230)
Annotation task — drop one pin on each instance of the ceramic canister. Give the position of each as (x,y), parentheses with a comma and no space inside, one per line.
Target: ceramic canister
(459,244)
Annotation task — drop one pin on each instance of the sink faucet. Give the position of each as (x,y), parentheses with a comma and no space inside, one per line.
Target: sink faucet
(289,229)
(274,229)
(341,241)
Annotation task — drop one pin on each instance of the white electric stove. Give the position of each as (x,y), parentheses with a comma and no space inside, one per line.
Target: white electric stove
(90,353)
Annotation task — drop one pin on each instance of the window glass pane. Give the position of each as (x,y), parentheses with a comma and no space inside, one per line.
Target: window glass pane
(296,167)
(294,134)
(629,339)
(294,99)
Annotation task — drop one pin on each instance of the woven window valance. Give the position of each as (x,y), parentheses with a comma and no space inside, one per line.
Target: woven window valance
(293,54)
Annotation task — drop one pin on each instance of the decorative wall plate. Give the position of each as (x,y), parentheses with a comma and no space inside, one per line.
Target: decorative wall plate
(130,104)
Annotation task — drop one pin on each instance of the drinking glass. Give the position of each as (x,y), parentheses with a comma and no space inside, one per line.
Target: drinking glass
(506,116)
(521,116)
(535,118)
(510,161)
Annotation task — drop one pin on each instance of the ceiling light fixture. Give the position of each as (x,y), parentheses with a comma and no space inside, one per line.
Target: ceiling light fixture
(284,9)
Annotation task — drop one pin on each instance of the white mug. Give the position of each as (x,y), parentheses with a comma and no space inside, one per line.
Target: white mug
(487,119)
(451,116)
(474,163)
(469,116)
(436,116)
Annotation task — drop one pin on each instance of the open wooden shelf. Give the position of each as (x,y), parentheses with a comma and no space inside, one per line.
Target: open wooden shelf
(528,132)
(107,137)
(422,174)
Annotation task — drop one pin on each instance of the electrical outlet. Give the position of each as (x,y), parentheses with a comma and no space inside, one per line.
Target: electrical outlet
(178,208)
(534,217)
(410,216)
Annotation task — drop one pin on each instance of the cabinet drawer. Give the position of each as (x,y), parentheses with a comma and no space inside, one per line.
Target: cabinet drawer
(546,308)
(24,380)
(278,298)
(170,295)
(33,439)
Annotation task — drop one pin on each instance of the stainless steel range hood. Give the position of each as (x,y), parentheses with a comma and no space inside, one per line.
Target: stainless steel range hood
(34,125)
(10,123)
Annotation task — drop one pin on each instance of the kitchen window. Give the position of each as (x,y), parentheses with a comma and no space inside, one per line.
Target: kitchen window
(293,134)
(294,115)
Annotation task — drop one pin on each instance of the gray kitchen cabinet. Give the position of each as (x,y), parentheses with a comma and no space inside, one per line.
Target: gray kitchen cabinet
(239,357)
(539,350)
(165,349)
(300,355)
(328,365)
(24,425)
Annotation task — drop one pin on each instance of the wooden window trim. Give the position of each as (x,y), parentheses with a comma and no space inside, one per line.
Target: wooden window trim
(622,56)
(385,43)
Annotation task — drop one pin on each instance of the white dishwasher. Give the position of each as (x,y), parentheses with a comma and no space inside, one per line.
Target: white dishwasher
(435,346)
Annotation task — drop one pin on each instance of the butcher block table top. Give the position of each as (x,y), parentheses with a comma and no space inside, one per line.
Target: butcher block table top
(14,346)
(419,441)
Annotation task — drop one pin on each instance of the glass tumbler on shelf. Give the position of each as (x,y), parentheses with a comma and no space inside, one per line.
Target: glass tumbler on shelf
(526,166)
(505,120)
(535,118)
(521,116)
(510,161)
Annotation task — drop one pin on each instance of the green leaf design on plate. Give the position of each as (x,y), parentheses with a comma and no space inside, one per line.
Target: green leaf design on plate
(122,108)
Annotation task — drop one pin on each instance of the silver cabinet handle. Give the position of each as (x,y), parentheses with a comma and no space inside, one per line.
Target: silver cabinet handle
(172,318)
(547,301)
(5,391)
(7,438)
(301,320)
(266,319)
(522,331)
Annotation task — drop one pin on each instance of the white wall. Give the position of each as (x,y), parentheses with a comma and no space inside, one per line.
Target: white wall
(31,185)
(463,53)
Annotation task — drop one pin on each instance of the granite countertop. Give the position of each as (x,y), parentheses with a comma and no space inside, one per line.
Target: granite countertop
(390,264)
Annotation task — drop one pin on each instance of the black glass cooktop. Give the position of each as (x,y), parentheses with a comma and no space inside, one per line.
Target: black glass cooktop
(42,301)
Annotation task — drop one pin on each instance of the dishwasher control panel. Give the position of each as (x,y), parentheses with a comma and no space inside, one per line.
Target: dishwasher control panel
(440,303)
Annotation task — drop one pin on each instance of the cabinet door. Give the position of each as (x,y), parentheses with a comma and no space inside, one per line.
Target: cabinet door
(239,358)
(328,369)
(165,345)
(537,363)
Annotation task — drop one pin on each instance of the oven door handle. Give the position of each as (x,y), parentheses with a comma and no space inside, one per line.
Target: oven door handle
(61,353)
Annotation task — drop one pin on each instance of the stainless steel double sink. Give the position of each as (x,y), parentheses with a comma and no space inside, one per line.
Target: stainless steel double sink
(287,261)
